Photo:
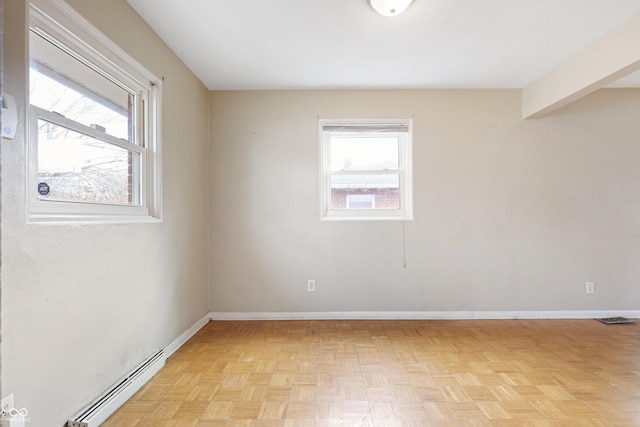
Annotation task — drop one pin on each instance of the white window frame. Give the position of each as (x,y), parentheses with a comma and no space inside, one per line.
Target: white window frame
(401,128)
(58,22)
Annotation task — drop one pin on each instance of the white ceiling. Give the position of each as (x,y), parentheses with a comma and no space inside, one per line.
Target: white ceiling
(344,44)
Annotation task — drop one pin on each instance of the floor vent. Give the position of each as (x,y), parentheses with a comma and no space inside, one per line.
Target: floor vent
(102,408)
(615,321)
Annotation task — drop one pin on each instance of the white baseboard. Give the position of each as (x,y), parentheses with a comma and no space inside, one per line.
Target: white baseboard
(179,342)
(425,315)
(368,315)
(108,403)
(94,414)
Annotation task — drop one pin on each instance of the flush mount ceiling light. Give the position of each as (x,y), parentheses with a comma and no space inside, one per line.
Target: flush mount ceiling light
(390,7)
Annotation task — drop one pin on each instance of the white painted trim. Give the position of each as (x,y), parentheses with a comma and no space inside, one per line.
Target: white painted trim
(423,315)
(103,407)
(63,24)
(615,55)
(361,315)
(83,36)
(179,342)
(138,382)
(404,172)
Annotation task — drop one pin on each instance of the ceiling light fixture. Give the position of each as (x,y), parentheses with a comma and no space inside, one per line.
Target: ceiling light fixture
(390,7)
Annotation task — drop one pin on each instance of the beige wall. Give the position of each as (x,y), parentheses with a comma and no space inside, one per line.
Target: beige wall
(510,214)
(82,305)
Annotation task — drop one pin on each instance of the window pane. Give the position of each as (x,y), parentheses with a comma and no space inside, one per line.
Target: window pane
(361,201)
(364,153)
(79,168)
(76,91)
(365,192)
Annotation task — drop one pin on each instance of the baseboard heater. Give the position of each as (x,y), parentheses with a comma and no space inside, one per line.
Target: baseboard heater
(104,406)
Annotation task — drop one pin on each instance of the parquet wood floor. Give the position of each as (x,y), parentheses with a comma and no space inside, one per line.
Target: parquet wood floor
(396,373)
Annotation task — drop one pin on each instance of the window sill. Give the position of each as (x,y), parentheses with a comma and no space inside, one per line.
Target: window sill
(365,215)
(54,212)
(57,219)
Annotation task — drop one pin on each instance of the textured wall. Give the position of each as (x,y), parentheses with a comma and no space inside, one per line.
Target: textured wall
(510,214)
(84,304)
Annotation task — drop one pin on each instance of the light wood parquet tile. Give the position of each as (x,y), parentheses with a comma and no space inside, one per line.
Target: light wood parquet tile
(396,373)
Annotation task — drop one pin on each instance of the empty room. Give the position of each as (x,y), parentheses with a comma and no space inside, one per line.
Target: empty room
(320,213)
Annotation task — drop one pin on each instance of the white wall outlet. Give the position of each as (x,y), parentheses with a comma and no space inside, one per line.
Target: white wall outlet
(311,285)
(590,287)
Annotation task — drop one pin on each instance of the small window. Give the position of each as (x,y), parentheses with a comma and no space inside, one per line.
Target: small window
(361,201)
(366,170)
(94,151)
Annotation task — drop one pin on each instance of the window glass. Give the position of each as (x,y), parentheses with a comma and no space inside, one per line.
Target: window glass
(361,201)
(367,153)
(94,150)
(78,168)
(366,169)
(76,91)
(384,189)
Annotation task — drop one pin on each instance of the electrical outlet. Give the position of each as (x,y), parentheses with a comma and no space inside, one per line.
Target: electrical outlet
(311,285)
(6,405)
(590,287)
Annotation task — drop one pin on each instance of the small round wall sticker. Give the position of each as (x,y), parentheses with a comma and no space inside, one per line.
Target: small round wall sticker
(43,188)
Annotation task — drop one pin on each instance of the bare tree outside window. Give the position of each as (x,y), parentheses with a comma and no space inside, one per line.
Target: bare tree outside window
(75,166)
(95,134)
(79,168)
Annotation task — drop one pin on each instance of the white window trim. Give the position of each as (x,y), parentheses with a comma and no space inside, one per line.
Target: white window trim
(405,176)
(58,19)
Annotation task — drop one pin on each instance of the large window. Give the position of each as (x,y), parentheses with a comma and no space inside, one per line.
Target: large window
(366,169)
(94,152)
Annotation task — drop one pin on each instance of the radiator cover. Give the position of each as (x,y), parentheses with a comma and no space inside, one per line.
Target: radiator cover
(104,406)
